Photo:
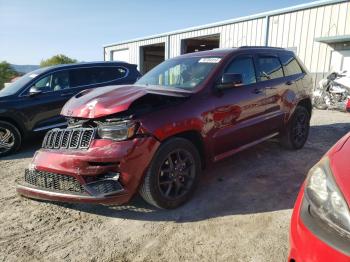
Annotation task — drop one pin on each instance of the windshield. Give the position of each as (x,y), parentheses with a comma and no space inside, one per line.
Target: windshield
(14,87)
(183,72)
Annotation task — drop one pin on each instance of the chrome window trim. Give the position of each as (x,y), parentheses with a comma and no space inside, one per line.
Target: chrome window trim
(72,88)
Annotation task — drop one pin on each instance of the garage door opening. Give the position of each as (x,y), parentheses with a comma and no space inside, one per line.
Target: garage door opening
(151,56)
(197,44)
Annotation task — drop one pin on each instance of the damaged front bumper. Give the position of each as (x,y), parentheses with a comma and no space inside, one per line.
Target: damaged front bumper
(108,172)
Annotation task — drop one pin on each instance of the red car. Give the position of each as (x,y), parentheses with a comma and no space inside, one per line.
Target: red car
(320,227)
(156,136)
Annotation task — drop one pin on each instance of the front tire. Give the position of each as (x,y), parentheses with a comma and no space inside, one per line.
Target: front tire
(297,130)
(10,139)
(173,174)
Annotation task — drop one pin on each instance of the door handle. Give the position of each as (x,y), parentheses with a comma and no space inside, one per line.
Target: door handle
(288,83)
(257,91)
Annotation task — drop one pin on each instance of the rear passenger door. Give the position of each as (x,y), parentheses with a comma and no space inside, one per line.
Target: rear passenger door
(271,78)
(292,71)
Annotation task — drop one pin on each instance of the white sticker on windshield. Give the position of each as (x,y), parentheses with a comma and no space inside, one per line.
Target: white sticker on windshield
(33,75)
(212,60)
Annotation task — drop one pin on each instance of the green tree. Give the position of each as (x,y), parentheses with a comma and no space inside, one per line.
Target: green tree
(6,73)
(57,60)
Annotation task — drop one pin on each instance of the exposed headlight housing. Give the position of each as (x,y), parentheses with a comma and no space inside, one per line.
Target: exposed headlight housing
(117,131)
(326,200)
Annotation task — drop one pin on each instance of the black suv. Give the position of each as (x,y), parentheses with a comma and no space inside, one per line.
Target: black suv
(33,103)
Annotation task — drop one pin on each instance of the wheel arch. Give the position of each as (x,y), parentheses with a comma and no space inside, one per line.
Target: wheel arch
(196,139)
(306,102)
(14,123)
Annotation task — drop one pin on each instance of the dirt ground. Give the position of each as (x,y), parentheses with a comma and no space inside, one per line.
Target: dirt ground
(240,212)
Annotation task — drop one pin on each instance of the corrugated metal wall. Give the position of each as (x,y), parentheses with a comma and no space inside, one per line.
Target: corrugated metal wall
(134,49)
(295,30)
(298,29)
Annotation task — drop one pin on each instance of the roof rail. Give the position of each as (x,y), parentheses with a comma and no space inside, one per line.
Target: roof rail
(257,46)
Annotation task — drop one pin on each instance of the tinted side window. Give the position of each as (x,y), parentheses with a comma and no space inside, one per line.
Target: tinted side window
(290,65)
(60,81)
(54,82)
(79,77)
(106,74)
(44,84)
(245,67)
(269,68)
(96,75)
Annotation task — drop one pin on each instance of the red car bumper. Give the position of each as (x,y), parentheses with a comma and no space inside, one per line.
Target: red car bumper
(87,170)
(306,246)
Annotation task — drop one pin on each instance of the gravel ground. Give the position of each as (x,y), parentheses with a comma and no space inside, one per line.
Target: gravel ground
(240,212)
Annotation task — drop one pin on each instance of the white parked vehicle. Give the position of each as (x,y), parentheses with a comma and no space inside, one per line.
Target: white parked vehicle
(333,92)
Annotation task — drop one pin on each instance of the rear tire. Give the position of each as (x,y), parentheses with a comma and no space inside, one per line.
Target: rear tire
(173,174)
(10,139)
(297,130)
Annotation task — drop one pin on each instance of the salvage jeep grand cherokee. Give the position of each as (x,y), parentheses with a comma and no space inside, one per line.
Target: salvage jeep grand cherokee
(155,137)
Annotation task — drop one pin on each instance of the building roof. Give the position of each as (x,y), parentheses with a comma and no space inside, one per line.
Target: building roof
(221,52)
(333,39)
(235,20)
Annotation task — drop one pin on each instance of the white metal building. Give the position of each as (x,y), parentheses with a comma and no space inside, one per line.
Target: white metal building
(319,32)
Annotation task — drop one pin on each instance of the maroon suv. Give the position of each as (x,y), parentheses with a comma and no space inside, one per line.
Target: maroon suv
(156,136)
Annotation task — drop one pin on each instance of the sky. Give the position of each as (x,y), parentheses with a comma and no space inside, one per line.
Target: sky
(32,30)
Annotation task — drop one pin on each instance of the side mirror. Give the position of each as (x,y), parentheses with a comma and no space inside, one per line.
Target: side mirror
(33,91)
(230,80)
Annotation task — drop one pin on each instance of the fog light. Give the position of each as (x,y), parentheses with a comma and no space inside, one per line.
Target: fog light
(112,175)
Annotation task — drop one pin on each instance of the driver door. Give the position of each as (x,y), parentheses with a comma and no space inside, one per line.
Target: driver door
(239,111)
(43,108)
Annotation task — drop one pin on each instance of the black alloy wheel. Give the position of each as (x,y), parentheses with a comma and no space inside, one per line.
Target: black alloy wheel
(176,174)
(297,130)
(10,138)
(173,174)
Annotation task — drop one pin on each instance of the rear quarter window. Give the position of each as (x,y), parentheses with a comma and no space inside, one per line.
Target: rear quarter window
(290,65)
(107,74)
(96,75)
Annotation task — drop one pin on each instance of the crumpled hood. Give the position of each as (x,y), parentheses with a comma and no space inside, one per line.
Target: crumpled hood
(102,101)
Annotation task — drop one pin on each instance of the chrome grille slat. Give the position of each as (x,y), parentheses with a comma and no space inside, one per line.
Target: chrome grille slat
(84,142)
(74,141)
(52,139)
(57,142)
(65,139)
(44,141)
(69,138)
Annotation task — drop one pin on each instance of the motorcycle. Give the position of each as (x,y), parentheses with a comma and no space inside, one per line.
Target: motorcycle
(333,92)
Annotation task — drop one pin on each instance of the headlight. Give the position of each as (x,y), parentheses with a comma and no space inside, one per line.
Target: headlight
(325,198)
(117,130)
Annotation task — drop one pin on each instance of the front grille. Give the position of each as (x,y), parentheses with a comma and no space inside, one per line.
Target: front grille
(105,187)
(51,181)
(71,138)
